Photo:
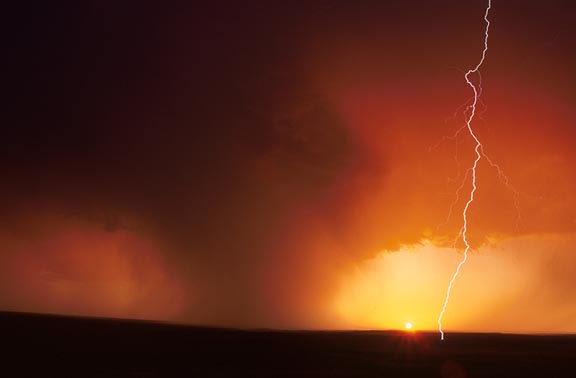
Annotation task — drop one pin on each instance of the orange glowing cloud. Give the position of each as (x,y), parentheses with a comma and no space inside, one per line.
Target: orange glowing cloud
(79,268)
(397,191)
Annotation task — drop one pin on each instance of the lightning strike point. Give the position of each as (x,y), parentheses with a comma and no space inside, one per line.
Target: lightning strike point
(478,150)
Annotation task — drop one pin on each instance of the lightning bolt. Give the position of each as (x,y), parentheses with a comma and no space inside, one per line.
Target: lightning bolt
(478,149)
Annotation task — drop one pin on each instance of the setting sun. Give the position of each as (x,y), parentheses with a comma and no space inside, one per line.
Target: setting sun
(408,326)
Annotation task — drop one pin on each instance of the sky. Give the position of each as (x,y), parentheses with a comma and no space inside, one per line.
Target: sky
(289,164)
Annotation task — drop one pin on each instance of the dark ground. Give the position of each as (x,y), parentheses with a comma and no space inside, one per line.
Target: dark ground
(57,346)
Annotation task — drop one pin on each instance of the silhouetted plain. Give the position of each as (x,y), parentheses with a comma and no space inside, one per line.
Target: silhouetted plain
(58,346)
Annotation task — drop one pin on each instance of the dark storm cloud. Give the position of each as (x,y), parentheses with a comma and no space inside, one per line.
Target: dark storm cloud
(140,108)
(192,122)
(132,105)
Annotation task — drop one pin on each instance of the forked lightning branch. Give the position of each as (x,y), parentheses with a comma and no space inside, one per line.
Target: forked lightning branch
(470,113)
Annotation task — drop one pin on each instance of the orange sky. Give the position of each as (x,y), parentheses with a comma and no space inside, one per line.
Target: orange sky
(295,169)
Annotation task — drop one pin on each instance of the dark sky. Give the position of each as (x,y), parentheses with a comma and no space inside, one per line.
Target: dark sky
(225,163)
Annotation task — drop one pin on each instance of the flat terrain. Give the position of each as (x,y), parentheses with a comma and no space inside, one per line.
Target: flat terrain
(57,346)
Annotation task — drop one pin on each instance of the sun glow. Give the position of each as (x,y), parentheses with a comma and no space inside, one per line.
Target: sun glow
(408,326)
(397,288)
